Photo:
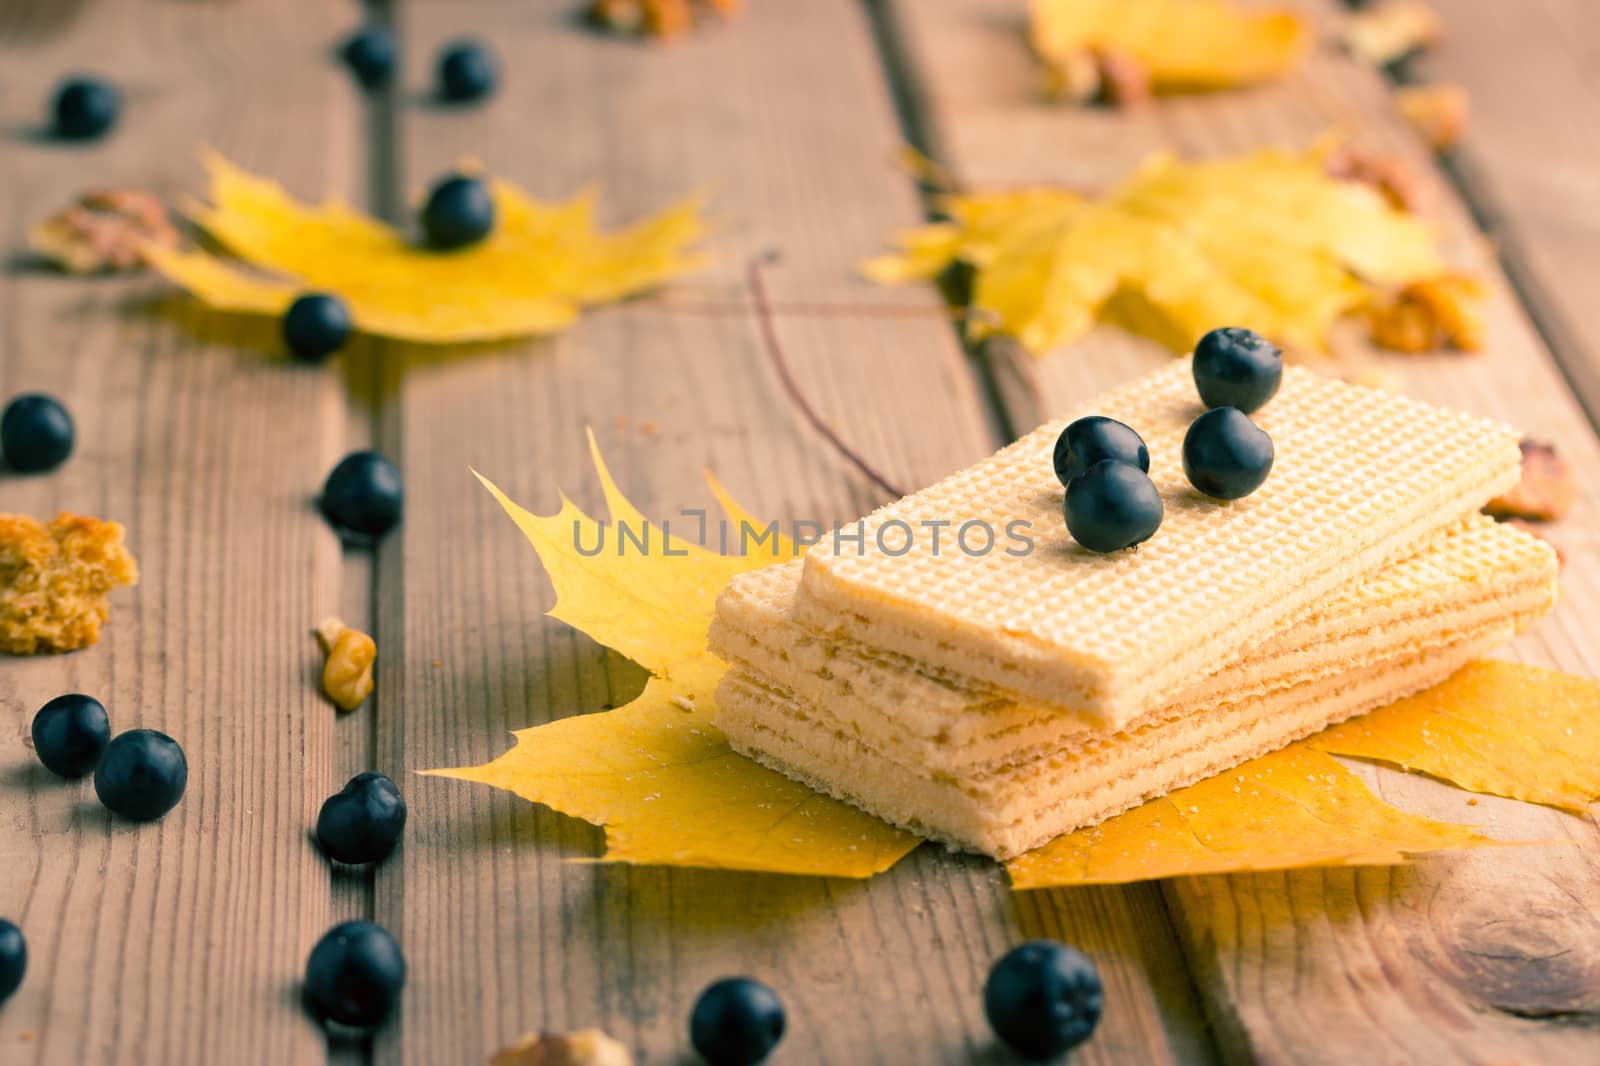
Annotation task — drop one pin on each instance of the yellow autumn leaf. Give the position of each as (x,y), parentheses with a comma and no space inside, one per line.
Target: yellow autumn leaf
(1296,807)
(1177,249)
(1183,44)
(656,773)
(1496,727)
(542,264)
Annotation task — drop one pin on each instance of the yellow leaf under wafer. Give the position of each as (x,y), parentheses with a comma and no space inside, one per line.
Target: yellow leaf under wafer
(533,275)
(1499,728)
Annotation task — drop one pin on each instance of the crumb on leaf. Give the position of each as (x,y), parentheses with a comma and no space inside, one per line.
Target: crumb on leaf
(55,580)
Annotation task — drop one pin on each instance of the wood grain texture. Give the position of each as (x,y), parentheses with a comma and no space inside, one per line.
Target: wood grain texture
(783,118)
(1452,959)
(1530,158)
(180,941)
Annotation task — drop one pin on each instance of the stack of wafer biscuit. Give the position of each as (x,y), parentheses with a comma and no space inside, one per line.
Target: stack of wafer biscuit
(996,699)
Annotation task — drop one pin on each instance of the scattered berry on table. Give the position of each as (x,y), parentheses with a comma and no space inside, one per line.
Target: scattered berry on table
(362,822)
(1112,506)
(737,1021)
(363,495)
(315,326)
(85,108)
(459,212)
(1043,999)
(369,53)
(1237,368)
(13,958)
(466,72)
(70,733)
(1090,440)
(141,775)
(36,433)
(354,975)
(1225,455)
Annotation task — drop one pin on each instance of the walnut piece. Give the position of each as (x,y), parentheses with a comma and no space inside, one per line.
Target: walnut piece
(1438,112)
(1386,32)
(347,673)
(1545,491)
(1395,179)
(1427,316)
(55,579)
(104,231)
(587,1047)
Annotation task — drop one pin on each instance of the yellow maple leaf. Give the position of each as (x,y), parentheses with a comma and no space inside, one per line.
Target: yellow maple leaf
(1177,249)
(1183,44)
(656,773)
(1500,728)
(1295,807)
(532,275)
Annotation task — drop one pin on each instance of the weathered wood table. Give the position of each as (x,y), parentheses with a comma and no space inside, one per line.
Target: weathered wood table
(182,942)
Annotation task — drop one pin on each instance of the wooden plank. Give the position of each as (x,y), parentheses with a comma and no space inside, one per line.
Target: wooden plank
(1529,161)
(783,117)
(180,941)
(1454,958)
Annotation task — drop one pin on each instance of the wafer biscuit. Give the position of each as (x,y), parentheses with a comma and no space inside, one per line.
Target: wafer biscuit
(1008,811)
(1363,478)
(1477,574)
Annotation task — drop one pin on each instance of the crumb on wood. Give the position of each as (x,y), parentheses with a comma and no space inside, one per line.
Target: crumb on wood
(664,19)
(586,1047)
(1439,113)
(347,673)
(55,581)
(104,231)
(1432,315)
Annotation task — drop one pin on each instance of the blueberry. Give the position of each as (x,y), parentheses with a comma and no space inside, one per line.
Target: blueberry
(362,821)
(1089,440)
(459,212)
(369,53)
(1112,506)
(141,775)
(1225,455)
(362,495)
(1237,368)
(1043,999)
(355,974)
(35,433)
(13,958)
(315,326)
(466,72)
(85,108)
(70,733)
(737,1021)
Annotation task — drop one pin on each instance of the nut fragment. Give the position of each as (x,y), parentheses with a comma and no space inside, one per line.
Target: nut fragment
(654,18)
(587,1047)
(347,673)
(104,231)
(1426,316)
(1438,112)
(1545,491)
(1389,31)
(55,579)
(1391,176)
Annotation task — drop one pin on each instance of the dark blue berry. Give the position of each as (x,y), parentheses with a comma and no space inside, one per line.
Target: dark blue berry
(35,433)
(363,496)
(13,958)
(1043,999)
(70,733)
(466,72)
(362,821)
(1112,506)
(737,1021)
(459,212)
(1225,455)
(369,53)
(315,326)
(1091,440)
(141,775)
(1237,368)
(355,974)
(85,108)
